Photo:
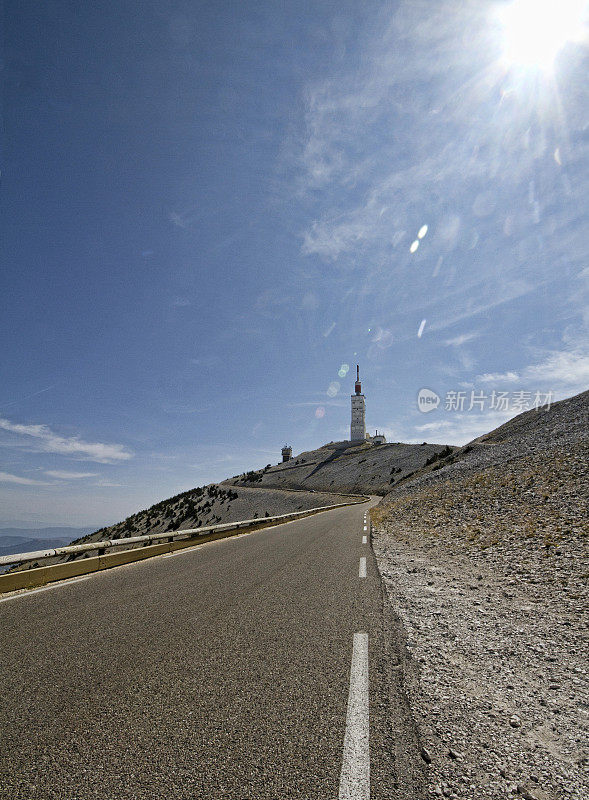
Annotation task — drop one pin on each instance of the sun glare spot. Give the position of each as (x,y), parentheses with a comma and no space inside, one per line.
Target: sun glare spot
(422,232)
(421,329)
(320,412)
(534,32)
(414,246)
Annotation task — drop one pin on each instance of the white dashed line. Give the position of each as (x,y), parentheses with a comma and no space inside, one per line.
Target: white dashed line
(354,781)
(362,570)
(43,589)
(366,527)
(364,540)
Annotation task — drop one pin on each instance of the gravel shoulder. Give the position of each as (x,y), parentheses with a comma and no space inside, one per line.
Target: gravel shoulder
(485,564)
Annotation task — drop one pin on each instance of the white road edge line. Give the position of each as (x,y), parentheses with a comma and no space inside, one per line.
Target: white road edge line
(362,570)
(354,781)
(29,592)
(364,540)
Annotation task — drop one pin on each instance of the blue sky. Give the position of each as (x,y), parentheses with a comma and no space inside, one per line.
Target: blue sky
(208,208)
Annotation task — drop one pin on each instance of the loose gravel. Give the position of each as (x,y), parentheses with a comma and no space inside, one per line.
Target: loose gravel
(485,564)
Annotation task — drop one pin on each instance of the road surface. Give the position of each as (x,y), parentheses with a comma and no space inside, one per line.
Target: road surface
(225,671)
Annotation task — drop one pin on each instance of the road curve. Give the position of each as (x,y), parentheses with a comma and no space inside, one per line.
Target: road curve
(219,672)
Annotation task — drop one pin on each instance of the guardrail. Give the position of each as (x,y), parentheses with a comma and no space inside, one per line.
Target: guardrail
(155,543)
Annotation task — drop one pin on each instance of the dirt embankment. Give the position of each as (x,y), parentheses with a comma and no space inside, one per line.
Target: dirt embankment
(485,563)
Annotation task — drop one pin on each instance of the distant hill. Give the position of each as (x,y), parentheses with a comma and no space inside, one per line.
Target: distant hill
(52,532)
(24,540)
(28,545)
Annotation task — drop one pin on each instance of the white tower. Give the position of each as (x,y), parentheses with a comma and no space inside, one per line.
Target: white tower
(358,426)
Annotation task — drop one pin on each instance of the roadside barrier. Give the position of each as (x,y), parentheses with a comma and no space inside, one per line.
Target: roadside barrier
(151,545)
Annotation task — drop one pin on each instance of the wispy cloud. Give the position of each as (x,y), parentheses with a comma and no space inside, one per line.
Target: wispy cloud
(426,128)
(463,338)
(567,367)
(321,402)
(560,368)
(462,428)
(6,477)
(497,377)
(28,396)
(46,441)
(66,476)
(180,219)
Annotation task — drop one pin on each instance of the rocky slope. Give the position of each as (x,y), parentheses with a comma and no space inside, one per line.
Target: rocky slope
(346,467)
(484,558)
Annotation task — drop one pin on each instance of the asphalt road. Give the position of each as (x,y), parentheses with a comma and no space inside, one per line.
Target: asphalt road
(220,672)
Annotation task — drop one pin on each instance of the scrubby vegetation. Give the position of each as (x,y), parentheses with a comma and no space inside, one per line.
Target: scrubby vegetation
(194,505)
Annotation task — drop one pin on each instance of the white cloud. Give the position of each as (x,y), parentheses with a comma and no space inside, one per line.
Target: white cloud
(570,368)
(6,477)
(49,442)
(564,369)
(498,377)
(463,428)
(64,475)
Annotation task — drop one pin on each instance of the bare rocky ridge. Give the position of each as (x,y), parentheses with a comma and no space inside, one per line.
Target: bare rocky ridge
(484,559)
(348,467)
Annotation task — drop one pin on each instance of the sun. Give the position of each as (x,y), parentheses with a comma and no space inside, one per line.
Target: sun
(535,30)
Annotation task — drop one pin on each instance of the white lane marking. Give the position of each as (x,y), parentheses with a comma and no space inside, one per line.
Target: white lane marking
(362,570)
(44,589)
(354,781)
(364,540)
(366,527)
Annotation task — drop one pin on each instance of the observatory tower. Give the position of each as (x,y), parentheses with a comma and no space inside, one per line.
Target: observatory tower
(358,426)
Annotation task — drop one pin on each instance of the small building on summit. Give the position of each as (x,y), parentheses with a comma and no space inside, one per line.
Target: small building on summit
(378,438)
(286,453)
